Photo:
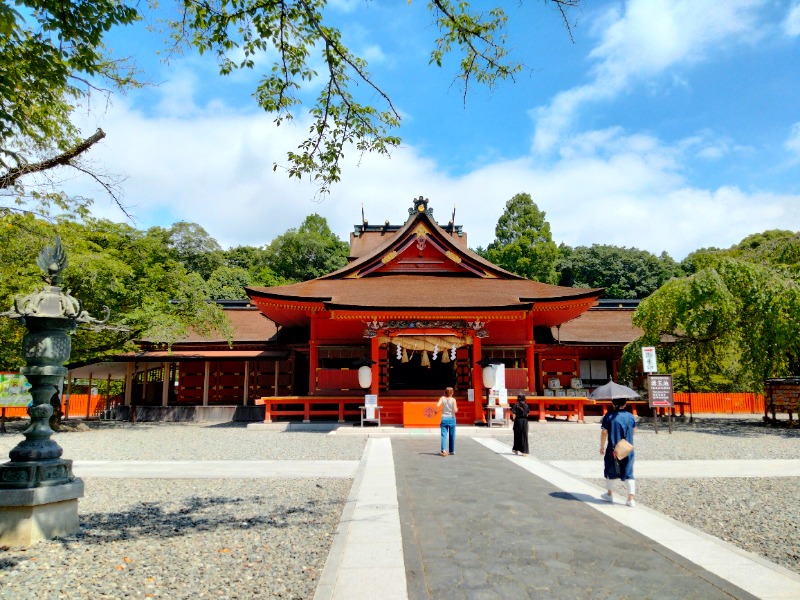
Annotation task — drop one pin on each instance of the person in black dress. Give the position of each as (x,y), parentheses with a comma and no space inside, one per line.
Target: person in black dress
(519,414)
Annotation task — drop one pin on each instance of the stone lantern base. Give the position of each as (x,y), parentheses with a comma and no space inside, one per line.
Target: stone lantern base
(31,515)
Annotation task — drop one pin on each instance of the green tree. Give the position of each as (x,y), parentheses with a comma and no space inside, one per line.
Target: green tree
(228,283)
(194,248)
(52,55)
(311,251)
(523,242)
(624,272)
(150,294)
(729,313)
(54,52)
(250,258)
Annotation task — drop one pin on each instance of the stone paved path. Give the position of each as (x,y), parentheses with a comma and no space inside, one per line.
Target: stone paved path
(476,525)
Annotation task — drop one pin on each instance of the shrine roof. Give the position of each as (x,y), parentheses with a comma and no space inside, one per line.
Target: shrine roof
(599,326)
(249,325)
(434,292)
(421,267)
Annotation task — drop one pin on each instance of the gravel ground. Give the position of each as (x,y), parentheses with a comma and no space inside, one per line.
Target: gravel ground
(270,537)
(186,441)
(760,515)
(187,538)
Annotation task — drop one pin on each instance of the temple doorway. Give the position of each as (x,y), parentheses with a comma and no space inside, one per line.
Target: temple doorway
(412,375)
(422,362)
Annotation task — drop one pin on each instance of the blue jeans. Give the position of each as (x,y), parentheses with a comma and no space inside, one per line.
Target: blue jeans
(448,427)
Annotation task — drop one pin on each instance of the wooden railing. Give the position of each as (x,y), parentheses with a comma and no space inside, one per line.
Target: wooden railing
(308,406)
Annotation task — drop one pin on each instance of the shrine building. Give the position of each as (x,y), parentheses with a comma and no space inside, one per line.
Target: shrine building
(418,309)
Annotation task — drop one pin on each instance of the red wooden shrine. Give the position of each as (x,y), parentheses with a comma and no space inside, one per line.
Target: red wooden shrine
(423,310)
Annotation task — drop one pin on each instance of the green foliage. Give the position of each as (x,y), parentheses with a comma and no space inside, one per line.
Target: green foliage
(194,248)
(150,294)
(480,39)
(228,283)
(523,242)
(49,52)
(730,316)
(308,252)
(52,54)
(624,272)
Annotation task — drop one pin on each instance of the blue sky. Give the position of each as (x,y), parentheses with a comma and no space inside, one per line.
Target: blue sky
(665,125)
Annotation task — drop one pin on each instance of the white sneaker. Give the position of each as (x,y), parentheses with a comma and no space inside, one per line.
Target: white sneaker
(606,497)
(631,503)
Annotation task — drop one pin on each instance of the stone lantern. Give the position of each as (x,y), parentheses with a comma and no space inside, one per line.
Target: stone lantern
(38,492)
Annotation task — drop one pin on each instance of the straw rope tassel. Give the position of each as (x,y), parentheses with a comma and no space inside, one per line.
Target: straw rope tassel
(425,362)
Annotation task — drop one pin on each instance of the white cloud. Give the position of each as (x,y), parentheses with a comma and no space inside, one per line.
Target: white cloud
(791,25)
(792,143)
(651,37)
(607,187)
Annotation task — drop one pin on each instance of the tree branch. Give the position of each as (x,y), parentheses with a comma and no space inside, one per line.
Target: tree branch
(65,159)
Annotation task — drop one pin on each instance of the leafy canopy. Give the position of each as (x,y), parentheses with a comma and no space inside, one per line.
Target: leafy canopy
(523,242)
(52,54)
(624,272)
(311,251)
(730,312)
(150,294)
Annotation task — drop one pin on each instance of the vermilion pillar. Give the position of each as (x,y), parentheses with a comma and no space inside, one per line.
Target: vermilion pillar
(313,356)
(477,379)
(529,346)
(374,350)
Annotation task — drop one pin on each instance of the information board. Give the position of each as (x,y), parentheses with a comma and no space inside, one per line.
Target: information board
(659,389)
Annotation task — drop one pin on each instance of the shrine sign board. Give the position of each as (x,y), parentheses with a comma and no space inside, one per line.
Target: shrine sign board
(660,390)
(649,360)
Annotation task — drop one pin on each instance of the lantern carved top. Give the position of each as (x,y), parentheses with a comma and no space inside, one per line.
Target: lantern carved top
(52,302)
(52,260)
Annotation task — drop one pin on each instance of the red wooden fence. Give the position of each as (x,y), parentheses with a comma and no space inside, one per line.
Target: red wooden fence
(76,407)
(723,402)
(702,402)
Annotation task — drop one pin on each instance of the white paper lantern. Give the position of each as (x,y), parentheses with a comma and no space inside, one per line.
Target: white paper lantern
(489,376)
(365,376)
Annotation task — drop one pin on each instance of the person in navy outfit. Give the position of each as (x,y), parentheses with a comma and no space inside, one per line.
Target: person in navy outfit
(616,425)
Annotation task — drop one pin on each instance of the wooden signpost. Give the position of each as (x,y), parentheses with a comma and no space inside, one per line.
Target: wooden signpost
(659,395)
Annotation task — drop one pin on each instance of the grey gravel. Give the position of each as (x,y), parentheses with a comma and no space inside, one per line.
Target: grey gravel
(191,441)
(184,538)
(760,515)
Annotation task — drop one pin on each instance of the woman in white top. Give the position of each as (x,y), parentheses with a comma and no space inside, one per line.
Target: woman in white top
(447,404)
